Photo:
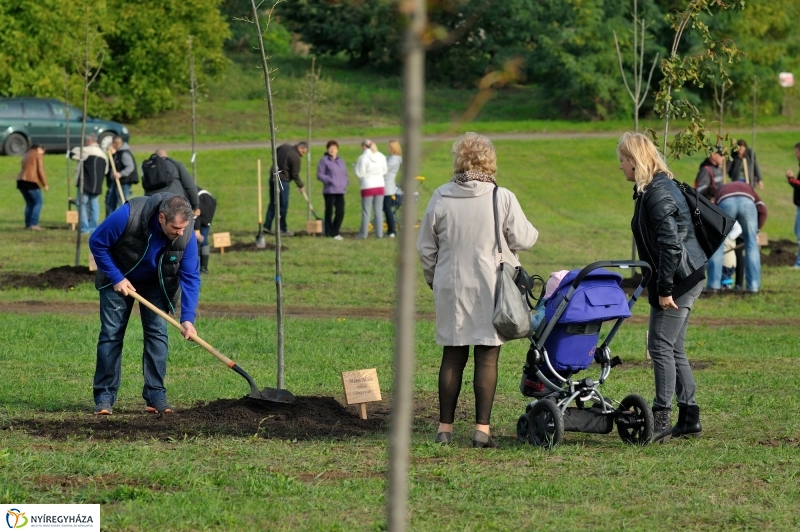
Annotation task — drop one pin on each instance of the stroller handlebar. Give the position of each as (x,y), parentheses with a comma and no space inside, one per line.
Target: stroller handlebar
(646,270)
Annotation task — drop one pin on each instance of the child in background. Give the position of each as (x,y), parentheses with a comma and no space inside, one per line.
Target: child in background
(729,258)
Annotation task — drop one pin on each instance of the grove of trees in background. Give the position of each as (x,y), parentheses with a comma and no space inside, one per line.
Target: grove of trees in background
(146,59)
(565,47)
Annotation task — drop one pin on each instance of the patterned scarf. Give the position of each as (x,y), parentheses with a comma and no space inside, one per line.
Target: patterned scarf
(473,175)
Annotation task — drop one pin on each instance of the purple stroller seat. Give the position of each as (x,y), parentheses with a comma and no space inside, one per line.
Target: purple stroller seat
(598,298)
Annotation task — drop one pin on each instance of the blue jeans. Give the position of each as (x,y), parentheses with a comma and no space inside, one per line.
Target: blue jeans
(743,210)
(89,224)
(388,211)
(33,205)
(797,234)
(665,341)
(112,197)
(115,310)
(284,204)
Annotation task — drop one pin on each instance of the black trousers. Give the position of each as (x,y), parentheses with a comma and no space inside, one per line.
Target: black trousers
(334,213)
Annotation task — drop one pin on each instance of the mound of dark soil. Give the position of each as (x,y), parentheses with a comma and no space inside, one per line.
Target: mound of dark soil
(63,278)
(780,253)
(308,418)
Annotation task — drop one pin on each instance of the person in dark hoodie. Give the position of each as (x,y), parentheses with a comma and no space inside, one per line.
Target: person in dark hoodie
(177,180)
(665,238)
(744,166)
(289,160)
(710,176)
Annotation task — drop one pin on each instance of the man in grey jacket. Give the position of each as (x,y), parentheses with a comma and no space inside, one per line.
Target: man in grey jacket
(180,182)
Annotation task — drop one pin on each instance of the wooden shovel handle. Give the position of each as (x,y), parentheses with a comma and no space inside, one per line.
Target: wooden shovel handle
(116,179)
(202,343)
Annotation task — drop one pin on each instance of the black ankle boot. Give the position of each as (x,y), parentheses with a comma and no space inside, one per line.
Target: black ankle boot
(662,429)
(204,263)
(688,421)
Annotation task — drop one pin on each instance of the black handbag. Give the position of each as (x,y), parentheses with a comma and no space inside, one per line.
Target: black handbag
(512,314)
(711,224)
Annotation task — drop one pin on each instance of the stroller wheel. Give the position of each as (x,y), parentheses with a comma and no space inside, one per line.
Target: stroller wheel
(545,425)
(635,420)
(522,429)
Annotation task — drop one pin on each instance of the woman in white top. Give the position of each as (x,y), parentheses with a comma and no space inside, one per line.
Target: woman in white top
(370,169)
(390,190)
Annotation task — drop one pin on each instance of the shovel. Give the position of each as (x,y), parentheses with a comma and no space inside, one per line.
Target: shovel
(260,243)
(272,395)
(310,207)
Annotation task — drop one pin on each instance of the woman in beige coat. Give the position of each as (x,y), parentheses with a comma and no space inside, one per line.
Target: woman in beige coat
(458,252)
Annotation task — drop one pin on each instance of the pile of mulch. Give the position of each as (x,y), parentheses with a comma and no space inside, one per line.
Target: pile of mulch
(308,418)
(238,247)
(61,278)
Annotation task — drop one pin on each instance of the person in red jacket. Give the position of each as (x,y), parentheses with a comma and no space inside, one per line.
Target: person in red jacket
(741,202)
(795,183)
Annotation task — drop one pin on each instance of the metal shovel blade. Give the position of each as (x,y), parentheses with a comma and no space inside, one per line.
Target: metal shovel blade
(260,242)
(273,395)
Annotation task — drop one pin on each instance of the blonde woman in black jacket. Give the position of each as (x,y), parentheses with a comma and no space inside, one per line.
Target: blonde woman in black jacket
(664,234)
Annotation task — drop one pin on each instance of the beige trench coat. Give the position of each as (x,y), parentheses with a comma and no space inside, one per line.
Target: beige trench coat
(458,251)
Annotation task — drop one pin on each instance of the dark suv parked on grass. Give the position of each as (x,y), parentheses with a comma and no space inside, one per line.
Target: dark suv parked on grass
(24,121)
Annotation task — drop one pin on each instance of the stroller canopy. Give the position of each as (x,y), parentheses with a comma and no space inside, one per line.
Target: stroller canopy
(598,298)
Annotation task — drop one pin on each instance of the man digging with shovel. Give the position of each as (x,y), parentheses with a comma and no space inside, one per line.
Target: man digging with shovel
(146,246)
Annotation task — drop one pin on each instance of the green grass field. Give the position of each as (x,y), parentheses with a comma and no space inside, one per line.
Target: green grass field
(741,475)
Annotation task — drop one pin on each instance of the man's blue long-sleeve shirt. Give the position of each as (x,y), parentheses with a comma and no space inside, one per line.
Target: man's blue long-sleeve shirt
(110,231)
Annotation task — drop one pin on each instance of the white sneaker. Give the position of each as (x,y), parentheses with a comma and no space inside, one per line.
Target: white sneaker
(338,237)
(391,235)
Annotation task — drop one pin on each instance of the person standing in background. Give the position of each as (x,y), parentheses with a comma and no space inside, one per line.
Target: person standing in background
(94,164)
(390,190)
(370,169)
(289,160)
(332,171)
(795,184)
(744,166)
(29,182)
(202,223)
(126,172)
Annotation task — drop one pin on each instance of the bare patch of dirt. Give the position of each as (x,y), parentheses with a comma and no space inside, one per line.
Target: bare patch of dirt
(788,442)
(238,247)
(61,278)
(779,253)
(308,418)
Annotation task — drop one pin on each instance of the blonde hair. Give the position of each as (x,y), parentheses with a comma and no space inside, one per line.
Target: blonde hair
(371,145)
(474,152)
(394,148)
(646,159)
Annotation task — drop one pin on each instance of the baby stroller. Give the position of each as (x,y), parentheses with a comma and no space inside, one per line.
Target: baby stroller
(565,343)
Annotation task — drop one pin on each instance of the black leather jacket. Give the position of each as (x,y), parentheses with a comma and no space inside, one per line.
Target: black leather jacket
(664,233)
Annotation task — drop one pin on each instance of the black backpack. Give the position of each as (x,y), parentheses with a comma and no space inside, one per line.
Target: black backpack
(156,173)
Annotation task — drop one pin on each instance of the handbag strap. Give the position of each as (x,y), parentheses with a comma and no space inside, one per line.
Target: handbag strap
(695,212)
(496,224)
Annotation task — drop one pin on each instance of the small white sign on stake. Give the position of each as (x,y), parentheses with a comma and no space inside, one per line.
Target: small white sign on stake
(361,387)
(222,241)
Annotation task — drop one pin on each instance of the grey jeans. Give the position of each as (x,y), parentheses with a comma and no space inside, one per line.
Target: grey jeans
(667,334)
(369,204)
